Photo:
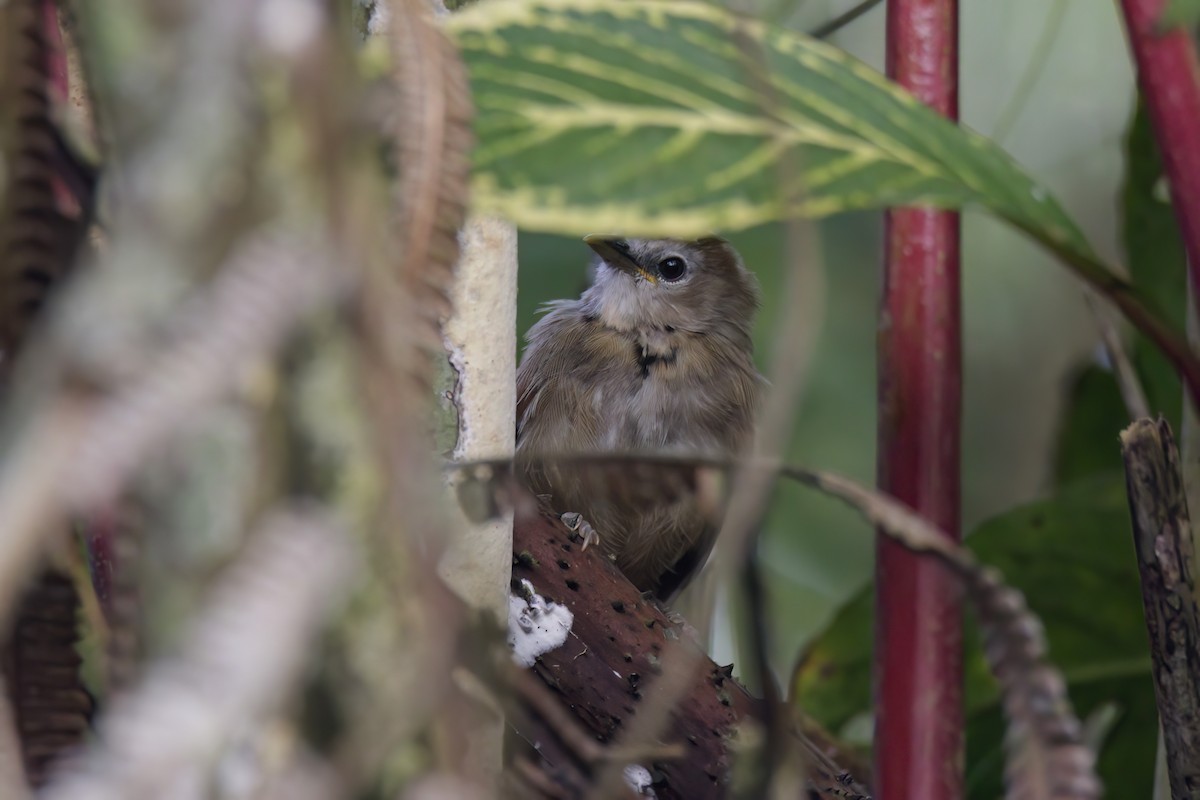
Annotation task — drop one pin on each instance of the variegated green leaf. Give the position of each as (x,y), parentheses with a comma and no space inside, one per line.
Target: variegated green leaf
(644,117)
(673,117)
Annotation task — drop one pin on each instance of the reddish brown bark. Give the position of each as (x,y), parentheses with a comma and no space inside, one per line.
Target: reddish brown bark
(1169,76)
(918,669)
(613,658)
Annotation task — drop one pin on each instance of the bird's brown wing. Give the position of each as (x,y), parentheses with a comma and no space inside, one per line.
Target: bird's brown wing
(555,412)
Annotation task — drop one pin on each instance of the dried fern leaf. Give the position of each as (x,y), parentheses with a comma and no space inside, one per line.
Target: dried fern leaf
(37,241)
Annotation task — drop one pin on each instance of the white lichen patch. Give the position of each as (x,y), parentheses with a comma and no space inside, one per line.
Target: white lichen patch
(535,626)
(639,779)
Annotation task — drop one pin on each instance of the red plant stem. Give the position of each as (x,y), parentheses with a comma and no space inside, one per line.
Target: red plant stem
(1169,76)
(918,660)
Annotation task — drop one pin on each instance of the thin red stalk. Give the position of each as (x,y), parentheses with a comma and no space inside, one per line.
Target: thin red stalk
(918,662)
(1169,75)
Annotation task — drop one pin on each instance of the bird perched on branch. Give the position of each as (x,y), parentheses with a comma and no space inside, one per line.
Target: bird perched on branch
(655,357)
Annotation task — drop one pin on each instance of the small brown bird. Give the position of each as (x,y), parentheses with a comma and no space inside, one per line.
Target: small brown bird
(655,357)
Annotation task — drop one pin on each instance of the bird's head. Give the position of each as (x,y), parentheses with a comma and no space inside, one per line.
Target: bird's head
(699,286)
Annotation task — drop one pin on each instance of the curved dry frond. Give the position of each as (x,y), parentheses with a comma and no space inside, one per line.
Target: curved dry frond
(36,240)
(244,652)
(432,143)
(1047,758)
(52,709)
(271,281)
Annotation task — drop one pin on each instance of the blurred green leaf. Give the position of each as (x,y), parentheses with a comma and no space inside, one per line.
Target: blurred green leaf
(1094,413)
(1181,13)
(1072,556)
(1092,417)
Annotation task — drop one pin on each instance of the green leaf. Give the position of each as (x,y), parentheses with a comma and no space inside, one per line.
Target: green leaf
(1072,556)
(1092,417)
(641,117)
(1184,13)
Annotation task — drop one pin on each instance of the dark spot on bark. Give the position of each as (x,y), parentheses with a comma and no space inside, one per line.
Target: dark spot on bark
(618,606)
(573,585)
(563,564)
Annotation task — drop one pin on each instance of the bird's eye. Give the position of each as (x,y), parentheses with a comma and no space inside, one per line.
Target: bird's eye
(672,269)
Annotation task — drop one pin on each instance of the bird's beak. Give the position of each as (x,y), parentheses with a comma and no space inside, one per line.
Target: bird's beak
(615,252)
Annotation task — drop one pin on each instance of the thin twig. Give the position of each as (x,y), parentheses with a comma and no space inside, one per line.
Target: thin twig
(679,663)
(795,344)
(531,778)
(244,654)
(1032,72)
(827,29)
(1132,393)
(1163,545)
(585,747)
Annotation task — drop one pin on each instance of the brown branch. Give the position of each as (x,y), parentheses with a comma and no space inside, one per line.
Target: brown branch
(1163,544)
(616,660)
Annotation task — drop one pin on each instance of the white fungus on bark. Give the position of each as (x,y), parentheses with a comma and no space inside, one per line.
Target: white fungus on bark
(535,625)
(639,779)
